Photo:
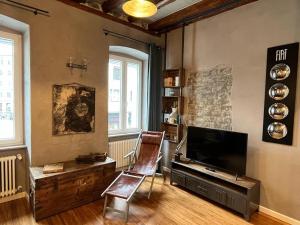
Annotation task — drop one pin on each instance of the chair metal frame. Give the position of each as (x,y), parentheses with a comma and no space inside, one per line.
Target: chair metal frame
(127,173)
(135,158)
(128,200)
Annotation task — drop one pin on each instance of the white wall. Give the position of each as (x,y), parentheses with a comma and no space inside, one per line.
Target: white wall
(240,38)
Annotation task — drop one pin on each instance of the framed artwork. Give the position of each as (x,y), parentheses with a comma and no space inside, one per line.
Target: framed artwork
(73,109)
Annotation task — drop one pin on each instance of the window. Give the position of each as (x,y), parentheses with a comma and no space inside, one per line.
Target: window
(124,100)
(11,128)
(8,107)
(116,73)
(114,95)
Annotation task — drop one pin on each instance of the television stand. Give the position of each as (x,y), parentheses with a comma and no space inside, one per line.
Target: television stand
(240,195)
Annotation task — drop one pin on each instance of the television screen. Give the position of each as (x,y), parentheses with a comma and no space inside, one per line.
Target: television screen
(224,150)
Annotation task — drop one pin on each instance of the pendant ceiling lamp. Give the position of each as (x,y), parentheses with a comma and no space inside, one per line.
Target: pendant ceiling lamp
(139,8)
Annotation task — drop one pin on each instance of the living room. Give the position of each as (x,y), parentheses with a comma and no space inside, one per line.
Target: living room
(192,70)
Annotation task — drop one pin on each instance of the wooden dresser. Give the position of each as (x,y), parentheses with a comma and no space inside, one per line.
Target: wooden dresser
(77,185)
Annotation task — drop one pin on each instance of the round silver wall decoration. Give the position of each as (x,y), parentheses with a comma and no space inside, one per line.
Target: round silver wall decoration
(277,130)
(278,111)
(280,71)
(278,91)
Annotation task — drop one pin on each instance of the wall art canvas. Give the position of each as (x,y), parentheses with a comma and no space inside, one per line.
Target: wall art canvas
(73,109)
(209,98)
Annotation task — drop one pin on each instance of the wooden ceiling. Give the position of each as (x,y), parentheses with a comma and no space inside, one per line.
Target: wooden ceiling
(112,9)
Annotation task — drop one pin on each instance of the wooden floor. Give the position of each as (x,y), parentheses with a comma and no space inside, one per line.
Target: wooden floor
(168,205)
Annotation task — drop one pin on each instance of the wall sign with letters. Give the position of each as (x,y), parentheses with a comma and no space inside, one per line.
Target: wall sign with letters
(280,93)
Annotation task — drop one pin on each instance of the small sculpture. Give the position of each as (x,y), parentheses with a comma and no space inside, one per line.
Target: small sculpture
(173,116)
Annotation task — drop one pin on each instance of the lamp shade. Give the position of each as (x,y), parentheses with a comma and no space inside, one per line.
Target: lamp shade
(139,8)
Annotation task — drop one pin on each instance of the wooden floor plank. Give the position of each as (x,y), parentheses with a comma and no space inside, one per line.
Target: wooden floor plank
(168,205)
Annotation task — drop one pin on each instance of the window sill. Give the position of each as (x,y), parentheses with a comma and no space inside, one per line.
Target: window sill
(121,137)
(13,147)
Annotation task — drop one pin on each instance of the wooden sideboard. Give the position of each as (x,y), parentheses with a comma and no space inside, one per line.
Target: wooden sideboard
(79,184)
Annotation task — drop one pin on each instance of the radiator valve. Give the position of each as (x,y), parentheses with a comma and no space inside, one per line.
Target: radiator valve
(19,157)
(19,189)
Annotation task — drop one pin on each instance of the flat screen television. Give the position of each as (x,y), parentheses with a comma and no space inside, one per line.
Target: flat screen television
(218,149)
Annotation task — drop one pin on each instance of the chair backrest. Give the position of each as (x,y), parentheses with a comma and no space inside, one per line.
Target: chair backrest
(149,151)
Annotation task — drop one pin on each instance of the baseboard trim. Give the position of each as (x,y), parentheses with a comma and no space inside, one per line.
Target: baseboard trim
(279,216)
(13,197)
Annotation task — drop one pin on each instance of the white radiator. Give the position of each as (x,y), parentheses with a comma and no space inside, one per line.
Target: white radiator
(118,149)
(7,176)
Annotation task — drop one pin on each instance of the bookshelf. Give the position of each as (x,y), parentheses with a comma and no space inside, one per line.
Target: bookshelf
(173,80)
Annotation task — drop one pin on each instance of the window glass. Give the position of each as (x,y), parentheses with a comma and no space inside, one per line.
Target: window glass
(132,95)
(11,112)
(124,108)
(114,104)
(7,130)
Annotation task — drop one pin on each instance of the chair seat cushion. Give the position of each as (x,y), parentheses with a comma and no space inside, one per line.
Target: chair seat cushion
(124,186)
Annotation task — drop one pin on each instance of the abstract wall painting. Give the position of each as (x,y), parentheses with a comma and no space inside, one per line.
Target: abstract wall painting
(73,109)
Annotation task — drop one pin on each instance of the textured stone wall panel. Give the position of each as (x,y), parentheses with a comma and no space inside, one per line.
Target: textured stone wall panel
(209,98)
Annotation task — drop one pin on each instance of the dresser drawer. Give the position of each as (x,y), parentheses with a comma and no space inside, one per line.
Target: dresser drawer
(236,202)
(198,186)
(85,186)
(219,195)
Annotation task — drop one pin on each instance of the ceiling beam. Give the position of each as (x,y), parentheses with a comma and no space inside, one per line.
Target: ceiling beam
(196,12)
(162,3)
(110,5)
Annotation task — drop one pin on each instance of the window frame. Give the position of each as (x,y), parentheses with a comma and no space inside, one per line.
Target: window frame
(123,97)
(18,90)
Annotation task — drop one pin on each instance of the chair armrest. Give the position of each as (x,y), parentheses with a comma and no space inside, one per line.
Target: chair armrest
(159,158)
(129,154)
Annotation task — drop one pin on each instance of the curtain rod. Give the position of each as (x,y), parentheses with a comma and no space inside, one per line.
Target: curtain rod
(107,32)
(36,11)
